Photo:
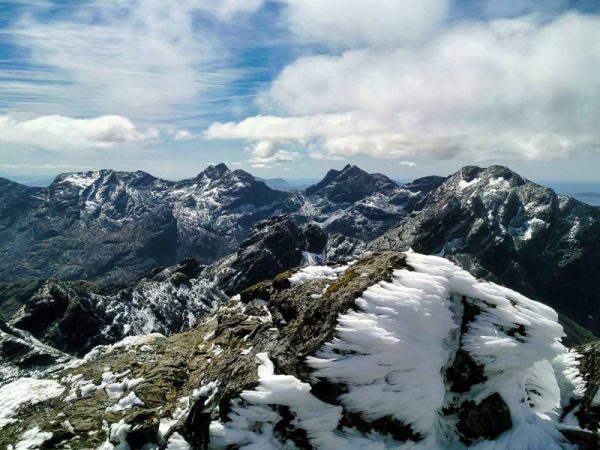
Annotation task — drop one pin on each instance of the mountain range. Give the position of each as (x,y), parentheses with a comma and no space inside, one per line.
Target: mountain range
(373,310)
(112,228)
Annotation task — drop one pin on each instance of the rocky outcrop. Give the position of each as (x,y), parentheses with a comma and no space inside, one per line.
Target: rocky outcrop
(326,357)
(22,355)
(76,316)
(273,246)
(350,185)
(588,409)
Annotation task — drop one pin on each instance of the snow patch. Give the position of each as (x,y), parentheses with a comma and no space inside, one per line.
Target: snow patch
(315,273)
(32,439)
(463,184)
(499,183)
(129,401)
(22,391)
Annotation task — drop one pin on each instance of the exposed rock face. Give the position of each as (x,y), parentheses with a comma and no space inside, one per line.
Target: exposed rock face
(273,246)
(350,185)
(356,204)
(588,409)
(502,227)
(21,354)
(351,356)
(76,316)
(118,226)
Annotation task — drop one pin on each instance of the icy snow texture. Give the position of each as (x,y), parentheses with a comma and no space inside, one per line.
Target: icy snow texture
(392,353)
(22,391)
(129,401)
(314,273)
(31,439)
(392,366)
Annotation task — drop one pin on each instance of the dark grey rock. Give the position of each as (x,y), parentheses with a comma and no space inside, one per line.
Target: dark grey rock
(502,227)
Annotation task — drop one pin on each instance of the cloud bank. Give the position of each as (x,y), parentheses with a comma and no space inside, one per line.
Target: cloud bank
(65,133)
(524,86)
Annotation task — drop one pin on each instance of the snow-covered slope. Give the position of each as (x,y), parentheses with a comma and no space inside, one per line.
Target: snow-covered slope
(394,351)
(75,316)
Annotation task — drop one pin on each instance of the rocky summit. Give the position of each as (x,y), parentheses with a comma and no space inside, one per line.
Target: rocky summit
(395,350)
(502,227)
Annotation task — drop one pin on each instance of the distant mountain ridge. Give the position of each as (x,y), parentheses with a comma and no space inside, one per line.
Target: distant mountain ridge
(114,227)
(117,226)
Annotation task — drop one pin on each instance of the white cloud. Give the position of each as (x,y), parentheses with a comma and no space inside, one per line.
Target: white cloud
(184,135)
(227,10)
(505,88)
(407,164)
(320,156)
(144,59)
(58,132)
(349,23)
(264,154)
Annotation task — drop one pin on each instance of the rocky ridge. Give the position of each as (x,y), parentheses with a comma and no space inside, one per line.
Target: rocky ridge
(278,368)
(74,316)
(502,227)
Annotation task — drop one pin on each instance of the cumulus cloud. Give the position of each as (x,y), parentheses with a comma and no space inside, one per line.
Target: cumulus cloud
(503,88)
(349,23)
(407,164)
(265,154)
(184,135)
(60,133)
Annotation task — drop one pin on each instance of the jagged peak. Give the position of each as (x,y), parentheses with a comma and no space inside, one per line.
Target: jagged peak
(358,184)
(213,171)
(496,177)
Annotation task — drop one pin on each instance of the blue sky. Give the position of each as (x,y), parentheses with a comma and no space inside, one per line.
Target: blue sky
(291,88)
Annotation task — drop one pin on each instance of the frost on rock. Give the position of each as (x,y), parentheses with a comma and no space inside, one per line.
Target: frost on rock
(130,342)
(23,391)
(400,357)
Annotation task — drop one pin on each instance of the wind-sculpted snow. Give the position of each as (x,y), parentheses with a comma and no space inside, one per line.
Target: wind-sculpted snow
(394,351)
(393,354)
